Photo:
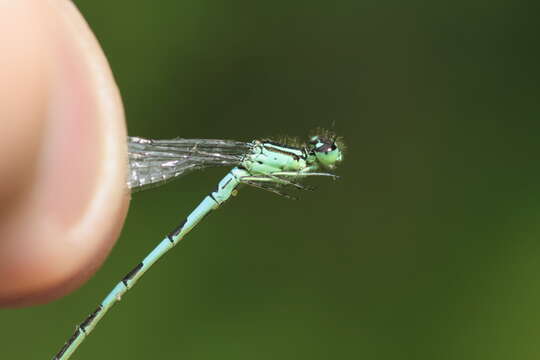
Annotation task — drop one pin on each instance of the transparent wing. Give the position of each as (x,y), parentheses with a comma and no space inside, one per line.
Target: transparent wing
(154,162)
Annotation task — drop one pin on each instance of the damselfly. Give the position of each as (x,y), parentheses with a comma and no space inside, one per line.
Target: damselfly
(263,164)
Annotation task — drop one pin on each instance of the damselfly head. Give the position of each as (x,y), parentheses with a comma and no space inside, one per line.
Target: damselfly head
(326,150)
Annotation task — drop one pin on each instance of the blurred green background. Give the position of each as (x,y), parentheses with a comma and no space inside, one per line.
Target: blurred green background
(427,248)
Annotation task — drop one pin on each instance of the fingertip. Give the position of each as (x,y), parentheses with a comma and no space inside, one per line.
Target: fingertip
(60,228)
(23,94)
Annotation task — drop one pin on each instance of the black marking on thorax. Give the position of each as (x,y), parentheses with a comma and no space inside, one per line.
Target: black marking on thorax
(275,143)
(275,147)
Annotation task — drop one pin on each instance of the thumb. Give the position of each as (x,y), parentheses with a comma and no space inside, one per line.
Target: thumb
(63,197)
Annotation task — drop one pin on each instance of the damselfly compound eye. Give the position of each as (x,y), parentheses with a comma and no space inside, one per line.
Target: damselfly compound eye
(326,151)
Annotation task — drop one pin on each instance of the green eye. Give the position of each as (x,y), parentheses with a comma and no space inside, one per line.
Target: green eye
(326,151)
(329,158)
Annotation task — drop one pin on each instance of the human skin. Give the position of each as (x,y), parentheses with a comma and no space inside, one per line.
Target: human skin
(63,198)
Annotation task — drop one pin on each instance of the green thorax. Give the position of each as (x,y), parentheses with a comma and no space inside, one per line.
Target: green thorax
(268,157)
